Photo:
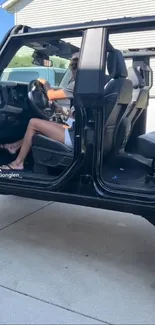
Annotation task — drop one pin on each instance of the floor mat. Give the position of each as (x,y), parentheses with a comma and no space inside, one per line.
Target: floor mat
(127,176)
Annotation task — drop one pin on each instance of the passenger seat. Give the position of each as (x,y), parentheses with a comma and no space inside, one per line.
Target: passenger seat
(118,94)
(137,105)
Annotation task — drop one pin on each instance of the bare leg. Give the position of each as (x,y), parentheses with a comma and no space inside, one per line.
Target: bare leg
(49,129)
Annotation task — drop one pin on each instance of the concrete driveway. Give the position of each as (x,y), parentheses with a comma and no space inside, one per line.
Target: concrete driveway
(61,264)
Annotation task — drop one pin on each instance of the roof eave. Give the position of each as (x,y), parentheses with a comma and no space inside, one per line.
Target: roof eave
(9,5)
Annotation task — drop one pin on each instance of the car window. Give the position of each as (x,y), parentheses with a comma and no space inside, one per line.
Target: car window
(25,66)
(4,76)
(58,77)
(23,76)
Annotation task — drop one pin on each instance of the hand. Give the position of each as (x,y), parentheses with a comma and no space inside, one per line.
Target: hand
(42,81)
(45,84)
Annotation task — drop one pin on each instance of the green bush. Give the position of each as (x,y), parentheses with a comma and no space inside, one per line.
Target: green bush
(59,62)
(21,61)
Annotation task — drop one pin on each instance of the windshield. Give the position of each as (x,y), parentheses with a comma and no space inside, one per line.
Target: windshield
(39,57)
(23,68)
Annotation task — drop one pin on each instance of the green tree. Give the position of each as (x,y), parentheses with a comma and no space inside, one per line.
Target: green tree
(21,61)
(26,61)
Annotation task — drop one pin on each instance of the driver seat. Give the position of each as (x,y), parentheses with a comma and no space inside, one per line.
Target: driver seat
(50,153)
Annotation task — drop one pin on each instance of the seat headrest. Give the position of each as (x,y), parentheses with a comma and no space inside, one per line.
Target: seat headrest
(136,78)
(116,65)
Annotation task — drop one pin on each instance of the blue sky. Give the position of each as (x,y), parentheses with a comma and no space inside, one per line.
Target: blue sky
(6,21)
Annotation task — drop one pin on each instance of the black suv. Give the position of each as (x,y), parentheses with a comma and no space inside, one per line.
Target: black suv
(112,165)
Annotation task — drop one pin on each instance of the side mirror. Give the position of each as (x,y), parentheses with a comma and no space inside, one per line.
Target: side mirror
(47,63)
(41,59)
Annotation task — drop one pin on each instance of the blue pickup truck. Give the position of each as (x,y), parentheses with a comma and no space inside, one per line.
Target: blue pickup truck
(53,75)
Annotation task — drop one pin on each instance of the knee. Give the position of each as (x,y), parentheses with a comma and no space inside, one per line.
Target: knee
(33,123)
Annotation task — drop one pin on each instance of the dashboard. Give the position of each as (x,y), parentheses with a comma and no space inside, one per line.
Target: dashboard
(15,111)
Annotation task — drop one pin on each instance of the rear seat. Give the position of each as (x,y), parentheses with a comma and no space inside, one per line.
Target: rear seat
(146,148)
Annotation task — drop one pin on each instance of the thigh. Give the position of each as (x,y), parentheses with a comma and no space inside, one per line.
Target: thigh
(50,129)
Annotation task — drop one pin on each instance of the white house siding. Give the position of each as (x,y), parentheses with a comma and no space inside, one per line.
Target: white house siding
(56,12)
(37,13)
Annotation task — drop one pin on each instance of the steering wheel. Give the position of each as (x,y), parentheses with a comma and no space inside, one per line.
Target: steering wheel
(39,100)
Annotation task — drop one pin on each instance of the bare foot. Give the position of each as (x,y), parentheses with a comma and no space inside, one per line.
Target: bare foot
(13,166)
(12,147)
(7,147)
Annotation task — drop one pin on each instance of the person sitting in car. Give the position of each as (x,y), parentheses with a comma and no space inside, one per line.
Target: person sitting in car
(53,130)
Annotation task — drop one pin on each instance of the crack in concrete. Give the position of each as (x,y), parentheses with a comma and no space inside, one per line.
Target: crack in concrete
(55,305)
(27,215)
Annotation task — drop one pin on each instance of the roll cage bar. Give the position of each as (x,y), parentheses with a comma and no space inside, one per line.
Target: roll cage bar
(120,25)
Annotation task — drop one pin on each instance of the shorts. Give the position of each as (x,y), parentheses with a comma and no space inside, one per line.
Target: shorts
(70,121)
(68,141)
